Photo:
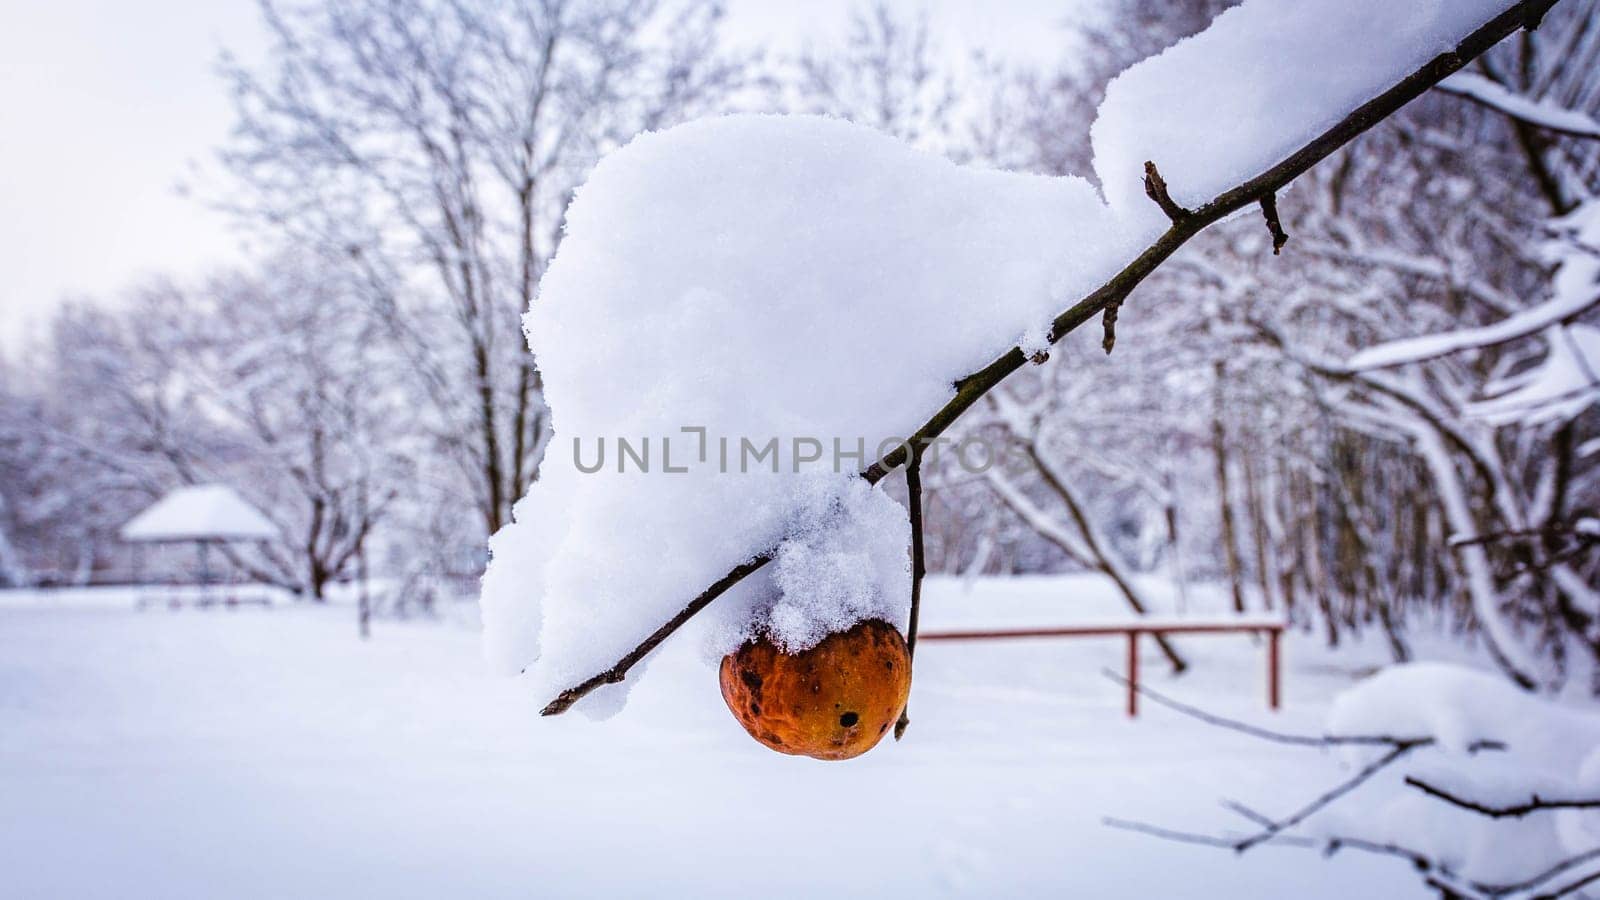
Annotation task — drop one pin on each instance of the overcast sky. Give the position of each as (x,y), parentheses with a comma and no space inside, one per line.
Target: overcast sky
(106,105)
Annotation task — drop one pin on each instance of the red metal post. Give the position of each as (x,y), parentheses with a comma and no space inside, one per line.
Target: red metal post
(1133,674)
(1274,663)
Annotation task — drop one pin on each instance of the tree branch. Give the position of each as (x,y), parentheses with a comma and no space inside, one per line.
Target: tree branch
(1439,877)
(1323,800)
(1436,873)
(1269,211)
(1280,737)
(972,387)
(616,673)
(1155,187)
(918,570)
(1535,803)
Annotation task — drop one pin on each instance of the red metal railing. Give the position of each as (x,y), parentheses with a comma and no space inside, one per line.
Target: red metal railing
(1272,628)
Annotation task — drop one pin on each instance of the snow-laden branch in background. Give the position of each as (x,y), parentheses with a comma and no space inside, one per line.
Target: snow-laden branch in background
(762,277)
(1514,327)
(1562,385)
(1461,764)
(1575,289)
(1542,114)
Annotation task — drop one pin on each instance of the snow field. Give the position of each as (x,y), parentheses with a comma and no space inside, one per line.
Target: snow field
(270,754)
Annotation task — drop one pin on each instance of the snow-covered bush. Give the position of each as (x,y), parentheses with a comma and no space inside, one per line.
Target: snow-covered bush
(1489,791)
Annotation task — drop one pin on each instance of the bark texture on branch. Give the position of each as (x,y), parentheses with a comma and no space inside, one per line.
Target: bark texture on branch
(1185,225)
(919,569)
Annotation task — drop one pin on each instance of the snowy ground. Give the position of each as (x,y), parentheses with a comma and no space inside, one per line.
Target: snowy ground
(269,753)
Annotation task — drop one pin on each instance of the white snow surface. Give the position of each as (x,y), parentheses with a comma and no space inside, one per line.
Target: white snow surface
(1265,78)
(271,754)
(200,512)
(812,282)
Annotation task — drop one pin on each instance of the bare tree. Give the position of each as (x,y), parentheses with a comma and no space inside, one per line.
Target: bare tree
(434,146)
(887,74)
(291,363)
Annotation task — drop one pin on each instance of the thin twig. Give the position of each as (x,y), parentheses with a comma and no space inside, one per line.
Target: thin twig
(1440,876)
(1569,887)
(1323,800)
(1513,811)
(1155,187)
(970,388)
(1109,323)
(618,672)
(1260,820)
(1550,874)
(918,570)
(1326,845)
(1269,211)
(1280,737)
(1170,834)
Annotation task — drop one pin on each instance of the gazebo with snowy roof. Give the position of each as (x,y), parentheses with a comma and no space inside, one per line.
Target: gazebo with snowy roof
(202,514)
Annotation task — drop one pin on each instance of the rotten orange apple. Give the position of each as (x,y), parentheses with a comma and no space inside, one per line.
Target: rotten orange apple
(833,701)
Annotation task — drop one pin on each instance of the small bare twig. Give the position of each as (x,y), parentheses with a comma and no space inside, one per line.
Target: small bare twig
(1235,806)
(1109,321)
(1569,888)
(1437,875)
(1550,874)
(1269,211)
(1534,804)
(1296,740)
(1171,834)
(918,570)
(1322,801)
(1155,187)
(1328,845)
(619,671)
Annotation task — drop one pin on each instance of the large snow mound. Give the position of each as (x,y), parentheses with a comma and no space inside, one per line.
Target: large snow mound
(810,289)
(759,278)
(1458,707)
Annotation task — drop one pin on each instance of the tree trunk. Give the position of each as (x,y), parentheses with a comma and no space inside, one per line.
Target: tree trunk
(1103,559)
(1219,449)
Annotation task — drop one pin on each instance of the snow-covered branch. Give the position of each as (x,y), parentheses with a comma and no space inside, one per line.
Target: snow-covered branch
(1230,199)
(1541,114)
(1452,716)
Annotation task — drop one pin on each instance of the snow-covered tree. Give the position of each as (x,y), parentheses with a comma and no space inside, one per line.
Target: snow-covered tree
(434,146)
